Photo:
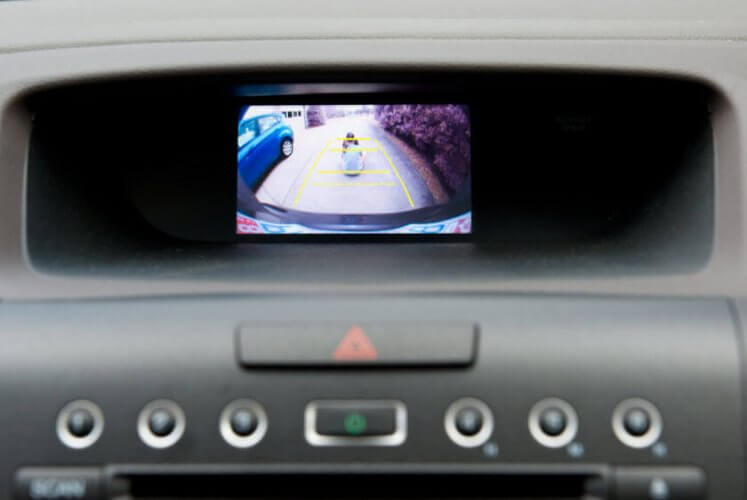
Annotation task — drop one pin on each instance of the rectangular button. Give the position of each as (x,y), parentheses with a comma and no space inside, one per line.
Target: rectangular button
(318,344)
(59,483)
(355,423)
(660,483)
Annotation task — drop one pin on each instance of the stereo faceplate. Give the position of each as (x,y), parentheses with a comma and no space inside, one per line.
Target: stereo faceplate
(681,357)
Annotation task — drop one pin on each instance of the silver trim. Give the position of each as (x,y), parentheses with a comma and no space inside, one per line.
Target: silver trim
(235,440)
(618,424)
(71,440)
(160,442)
(457,437)
(395,439)
(562,439)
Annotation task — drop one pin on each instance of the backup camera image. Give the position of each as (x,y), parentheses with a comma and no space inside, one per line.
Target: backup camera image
(335,169)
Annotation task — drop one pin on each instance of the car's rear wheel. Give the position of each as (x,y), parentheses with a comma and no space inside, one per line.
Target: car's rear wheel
(286,147)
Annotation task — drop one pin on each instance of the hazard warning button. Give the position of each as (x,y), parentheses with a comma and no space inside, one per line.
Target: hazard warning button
(355,346)
(316,344)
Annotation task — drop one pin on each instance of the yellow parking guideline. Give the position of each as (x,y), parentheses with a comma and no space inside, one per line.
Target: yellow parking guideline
(351,150)
(349,184)
(409,198)
(330,172)
(306,179)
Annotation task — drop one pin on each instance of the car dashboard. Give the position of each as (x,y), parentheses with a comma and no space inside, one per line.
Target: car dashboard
(424,249)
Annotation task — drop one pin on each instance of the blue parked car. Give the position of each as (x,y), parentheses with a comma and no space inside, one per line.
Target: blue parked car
(263,141)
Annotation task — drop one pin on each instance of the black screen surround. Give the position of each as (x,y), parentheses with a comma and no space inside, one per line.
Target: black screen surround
(615,172)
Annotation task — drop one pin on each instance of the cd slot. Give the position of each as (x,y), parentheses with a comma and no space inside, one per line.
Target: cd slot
(368,486)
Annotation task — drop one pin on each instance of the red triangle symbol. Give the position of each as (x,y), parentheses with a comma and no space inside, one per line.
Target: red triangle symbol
(355,346)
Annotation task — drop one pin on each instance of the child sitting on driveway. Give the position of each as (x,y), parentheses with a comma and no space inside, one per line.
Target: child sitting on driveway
(352,161)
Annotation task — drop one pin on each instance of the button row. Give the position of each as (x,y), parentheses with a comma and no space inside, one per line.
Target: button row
(161,424)
(468,423)
(553,423)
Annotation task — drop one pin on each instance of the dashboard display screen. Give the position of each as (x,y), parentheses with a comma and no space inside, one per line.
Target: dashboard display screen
(354,169)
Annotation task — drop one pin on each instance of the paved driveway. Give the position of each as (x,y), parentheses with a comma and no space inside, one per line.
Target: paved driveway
(312,179)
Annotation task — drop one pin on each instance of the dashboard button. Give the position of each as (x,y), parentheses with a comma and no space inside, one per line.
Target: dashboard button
(243,423)
(80,424)
(637,422)
(59,483)
(659,483)
(161,424)
(553,421)
(313,344)
(355,423)
(468,422)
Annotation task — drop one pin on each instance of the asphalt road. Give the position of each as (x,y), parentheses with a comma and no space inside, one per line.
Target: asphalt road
(312,180)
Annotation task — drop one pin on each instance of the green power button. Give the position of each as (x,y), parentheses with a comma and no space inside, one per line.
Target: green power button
(355,423)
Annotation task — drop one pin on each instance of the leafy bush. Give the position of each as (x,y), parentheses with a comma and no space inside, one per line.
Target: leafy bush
(441,132)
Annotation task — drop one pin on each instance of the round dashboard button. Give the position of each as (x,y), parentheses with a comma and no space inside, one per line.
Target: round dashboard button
(80,422)
(637,422)
(161,422)
(243,422)
(469,421)
(553,421)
